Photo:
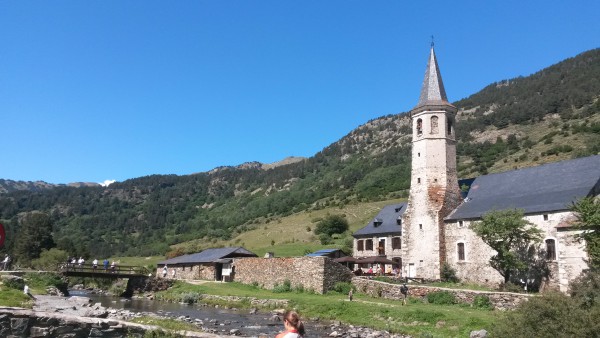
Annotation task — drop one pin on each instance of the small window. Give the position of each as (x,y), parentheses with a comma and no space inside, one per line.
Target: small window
(399,220)
(418,180)
(396,243)
(435,180)
(461,224)
(421,226)
(545,217)
(360,245)
(419,127)
(461,251)
(434,124)
(369,244)
(449,127)
(551,249)
(418,154)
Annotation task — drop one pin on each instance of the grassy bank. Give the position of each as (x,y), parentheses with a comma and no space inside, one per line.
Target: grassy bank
(417,318)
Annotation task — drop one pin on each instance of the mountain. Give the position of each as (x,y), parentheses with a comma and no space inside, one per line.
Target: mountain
(10,185)
(548,116)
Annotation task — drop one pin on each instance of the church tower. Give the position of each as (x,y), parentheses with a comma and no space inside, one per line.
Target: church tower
(434,191)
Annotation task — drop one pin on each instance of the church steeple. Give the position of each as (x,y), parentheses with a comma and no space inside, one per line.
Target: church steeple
(432,91)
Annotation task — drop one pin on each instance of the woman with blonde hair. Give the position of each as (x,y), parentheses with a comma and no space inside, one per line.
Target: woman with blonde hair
(294,328)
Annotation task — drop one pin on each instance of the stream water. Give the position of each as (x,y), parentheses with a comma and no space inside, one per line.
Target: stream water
(222,320)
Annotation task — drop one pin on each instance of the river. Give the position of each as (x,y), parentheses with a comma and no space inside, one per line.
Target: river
(222,320)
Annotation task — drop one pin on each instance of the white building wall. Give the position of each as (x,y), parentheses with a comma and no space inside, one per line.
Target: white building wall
(570,254)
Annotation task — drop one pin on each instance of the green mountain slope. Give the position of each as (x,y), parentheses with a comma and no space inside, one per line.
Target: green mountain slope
(548,116)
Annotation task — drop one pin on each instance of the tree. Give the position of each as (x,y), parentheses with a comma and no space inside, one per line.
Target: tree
(587,212)
(506,231)
(332,224)
(35,234)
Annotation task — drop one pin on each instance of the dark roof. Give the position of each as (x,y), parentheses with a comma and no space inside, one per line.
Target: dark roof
(388,217)
(544,188)
(210,256)
(432,91)
(323,252)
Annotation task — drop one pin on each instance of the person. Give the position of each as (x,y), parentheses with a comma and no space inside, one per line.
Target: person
(165,271)
(105,262)
(80,262)
(404,291)
(370,272)
(350,295)
(95,264)
(113,266)
(173,274)
(379,271)
(294,328)
(26,291)
(5,263)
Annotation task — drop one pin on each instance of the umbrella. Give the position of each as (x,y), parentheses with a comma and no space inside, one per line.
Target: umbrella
(375,260)
(345,259)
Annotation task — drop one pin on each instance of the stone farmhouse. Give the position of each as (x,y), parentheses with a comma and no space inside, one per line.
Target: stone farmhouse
(432,228)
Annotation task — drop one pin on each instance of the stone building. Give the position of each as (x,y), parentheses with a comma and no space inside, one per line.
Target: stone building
(432,227)
(210,264)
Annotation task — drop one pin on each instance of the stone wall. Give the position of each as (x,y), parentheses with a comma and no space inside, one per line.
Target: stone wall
(188,272)
(317,273)
(500,300)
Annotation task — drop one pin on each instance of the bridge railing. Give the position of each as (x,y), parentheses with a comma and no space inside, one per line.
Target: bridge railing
(100,269)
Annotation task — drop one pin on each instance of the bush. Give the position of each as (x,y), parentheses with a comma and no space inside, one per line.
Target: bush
(13,282)
(285,287)
(49,259)
(482,302)
(332,224)
(325,239)
(190,297)
(343,287)
(448,274)
(441,298)
(550,315)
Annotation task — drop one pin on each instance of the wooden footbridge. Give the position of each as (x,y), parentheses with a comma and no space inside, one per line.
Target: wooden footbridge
(112,272)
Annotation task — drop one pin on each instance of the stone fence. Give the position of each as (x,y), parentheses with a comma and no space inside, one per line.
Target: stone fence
(317,273)
(500,300)
(19,322)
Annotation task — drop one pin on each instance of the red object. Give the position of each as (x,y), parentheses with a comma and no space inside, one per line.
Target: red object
(2,235)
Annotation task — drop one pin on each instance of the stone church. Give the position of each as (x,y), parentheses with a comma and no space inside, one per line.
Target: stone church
(432,228)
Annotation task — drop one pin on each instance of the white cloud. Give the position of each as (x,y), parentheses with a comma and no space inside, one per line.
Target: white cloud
(106,183)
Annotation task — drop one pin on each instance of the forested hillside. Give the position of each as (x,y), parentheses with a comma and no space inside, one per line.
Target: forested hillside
(548,116)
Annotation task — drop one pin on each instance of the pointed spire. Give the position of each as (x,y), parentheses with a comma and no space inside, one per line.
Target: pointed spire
(433,91)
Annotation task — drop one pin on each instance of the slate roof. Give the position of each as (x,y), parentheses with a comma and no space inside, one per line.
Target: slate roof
(210,256)
(545,188)
(432,90)
(323,252)
(387,216)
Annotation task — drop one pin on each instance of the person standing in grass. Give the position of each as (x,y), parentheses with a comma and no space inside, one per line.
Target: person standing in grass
(294,328)
(404,291)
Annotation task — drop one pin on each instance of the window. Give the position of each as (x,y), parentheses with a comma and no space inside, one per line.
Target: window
(419,127)
(359,245)
(551,249)
(418,180)
(461,251)
(434,124)
(449,127)
(396,243)
(369,244)
(418,154)
(420,226)
(461,224)
(381,247)
(399,220)
(545,217)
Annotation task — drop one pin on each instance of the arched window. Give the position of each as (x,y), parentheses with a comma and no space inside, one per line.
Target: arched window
(550,249)
(419,127)
(449,126)
(434,124)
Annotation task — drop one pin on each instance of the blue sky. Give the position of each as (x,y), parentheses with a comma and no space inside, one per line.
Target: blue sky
(111,90)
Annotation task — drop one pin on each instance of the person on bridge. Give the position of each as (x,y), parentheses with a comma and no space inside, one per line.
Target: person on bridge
(80,262)
(105,264)
(113,267)
(95,264)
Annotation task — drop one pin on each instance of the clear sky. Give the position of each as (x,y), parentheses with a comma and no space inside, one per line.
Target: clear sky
(110,90)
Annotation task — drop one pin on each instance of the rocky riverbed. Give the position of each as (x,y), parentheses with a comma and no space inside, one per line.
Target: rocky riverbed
(84,307)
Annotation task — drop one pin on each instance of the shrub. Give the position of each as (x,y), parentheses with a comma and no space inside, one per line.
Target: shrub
(13,282)
(448,274)
(49,259)
(325,239)
(343,287)
(285,287)
(482,302)
(441,298)
(190,297)
(332,224)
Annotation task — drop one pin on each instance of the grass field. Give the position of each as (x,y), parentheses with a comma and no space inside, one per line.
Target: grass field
(416,318)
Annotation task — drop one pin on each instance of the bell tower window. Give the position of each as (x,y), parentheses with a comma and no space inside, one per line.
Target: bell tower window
(434,124)
(419,127)
(449,125)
